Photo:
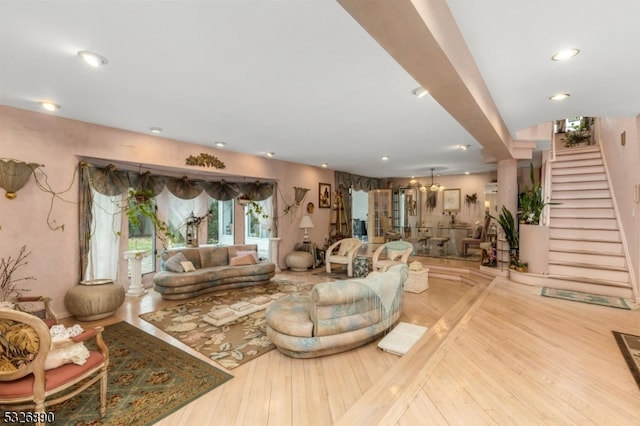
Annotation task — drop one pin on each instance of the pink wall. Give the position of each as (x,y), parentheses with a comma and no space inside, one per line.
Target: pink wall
(60,144)
(623,166)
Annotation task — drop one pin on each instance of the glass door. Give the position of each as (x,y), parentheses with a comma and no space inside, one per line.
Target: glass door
(379,206)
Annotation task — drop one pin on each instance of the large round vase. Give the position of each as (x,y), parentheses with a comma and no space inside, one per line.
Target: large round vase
(94,299)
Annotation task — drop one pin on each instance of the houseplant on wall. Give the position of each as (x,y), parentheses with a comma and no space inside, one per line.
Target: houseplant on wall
(140,204)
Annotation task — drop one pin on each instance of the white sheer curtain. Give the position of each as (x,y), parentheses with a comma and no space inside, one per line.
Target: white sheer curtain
(105,242)
(180,209)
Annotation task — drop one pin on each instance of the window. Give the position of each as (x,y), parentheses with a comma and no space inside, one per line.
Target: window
(224,227)
(257,225)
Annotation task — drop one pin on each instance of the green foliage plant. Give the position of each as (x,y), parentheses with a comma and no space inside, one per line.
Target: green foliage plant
(531,201)
(508,224)
(141,204)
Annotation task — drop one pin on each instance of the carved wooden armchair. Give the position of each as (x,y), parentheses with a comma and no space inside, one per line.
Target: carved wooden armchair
(24,382)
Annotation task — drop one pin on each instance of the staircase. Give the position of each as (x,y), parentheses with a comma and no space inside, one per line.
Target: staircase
(585,245)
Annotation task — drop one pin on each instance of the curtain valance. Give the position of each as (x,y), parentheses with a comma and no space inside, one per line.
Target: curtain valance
(111,181)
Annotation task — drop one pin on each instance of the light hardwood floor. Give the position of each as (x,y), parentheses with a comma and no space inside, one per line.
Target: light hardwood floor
(496,353)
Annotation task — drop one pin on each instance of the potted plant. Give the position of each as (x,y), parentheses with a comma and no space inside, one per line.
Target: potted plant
(140,204)
(508,224)
(10,286)
(534,237)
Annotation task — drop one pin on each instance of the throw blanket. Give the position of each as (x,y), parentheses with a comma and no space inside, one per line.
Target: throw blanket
(385,287)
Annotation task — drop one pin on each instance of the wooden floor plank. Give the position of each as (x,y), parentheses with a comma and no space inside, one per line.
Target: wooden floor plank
(512,357)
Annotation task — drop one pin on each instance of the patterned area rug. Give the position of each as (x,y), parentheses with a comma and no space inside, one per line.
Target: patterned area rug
(578,296)
(148,379)
(231,344)
(630,347)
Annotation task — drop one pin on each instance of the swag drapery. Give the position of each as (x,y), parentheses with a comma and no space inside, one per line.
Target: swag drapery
(345,182)
(113,182)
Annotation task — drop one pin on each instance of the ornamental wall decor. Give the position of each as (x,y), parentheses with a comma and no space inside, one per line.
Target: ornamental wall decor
(204,160)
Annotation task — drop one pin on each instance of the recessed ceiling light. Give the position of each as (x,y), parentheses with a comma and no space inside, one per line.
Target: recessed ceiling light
(324,165)
(155,130)
(563,55)
(420,92)
(270,154)
(463,147)
(221,144)
(466,173)
(92,58)
(559,97)
(384,157)
(49,106)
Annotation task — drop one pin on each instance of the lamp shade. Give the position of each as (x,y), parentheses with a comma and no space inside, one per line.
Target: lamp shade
(306,222)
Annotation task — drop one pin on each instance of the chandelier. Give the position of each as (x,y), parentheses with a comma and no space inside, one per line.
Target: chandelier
(433,187)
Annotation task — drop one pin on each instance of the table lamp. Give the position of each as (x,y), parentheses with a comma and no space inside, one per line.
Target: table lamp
(306,223)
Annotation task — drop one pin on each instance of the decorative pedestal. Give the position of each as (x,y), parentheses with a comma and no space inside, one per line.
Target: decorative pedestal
(135,264)
(360,266)
(418,281)
(94,299)
(299,261)
(273,252)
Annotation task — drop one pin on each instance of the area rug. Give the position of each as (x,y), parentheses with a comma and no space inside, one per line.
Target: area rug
(630,347)
(148,380)
(337,274)
(578,296)
(231,344)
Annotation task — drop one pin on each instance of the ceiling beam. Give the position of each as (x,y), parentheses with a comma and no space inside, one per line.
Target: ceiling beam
(423,37)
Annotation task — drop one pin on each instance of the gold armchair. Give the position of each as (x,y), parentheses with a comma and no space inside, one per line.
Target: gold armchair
(25,384)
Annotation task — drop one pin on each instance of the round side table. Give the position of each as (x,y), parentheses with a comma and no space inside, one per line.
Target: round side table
(94,299)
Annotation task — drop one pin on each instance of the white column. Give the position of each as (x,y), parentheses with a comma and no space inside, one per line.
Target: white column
(508,197)
(135,263)
(273,251)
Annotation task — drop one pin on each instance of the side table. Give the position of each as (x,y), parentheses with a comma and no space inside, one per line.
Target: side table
(360,266)
(418,281)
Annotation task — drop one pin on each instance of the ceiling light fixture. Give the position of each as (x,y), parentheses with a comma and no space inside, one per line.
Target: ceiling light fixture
(385,158)
(221,144)
(324,165)
(270,154)
(559,97)
(49,106)
(92,58)
(464,147)
(563,55)
(434,186)
(155,130)
(420,92)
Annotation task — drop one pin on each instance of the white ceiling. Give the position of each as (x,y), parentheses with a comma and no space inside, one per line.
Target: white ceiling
(303,79)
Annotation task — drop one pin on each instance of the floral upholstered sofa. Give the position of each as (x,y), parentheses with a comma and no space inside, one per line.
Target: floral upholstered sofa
(188,272)
(337,316)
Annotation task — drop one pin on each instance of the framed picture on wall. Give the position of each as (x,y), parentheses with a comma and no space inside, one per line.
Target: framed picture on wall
(324,195)
(451,200)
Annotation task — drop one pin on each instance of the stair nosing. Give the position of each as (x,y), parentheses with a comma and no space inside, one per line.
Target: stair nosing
(588,252)
(609,283)
(589,266)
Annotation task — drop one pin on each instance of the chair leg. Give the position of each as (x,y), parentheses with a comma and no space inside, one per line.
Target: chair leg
(103,394)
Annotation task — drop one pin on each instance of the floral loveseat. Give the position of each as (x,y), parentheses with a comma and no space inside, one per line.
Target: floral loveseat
(337,316)
(188,272)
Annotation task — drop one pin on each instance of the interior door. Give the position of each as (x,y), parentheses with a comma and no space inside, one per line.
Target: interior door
(379,206)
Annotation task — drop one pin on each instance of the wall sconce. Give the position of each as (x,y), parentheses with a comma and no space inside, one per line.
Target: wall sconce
(14,175)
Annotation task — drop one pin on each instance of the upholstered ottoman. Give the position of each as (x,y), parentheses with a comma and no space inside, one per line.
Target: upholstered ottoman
(299,261)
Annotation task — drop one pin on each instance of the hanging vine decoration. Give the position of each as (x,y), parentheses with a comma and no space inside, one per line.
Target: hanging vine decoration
(432,200)
(471,199)
(42,183)
(204,160)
